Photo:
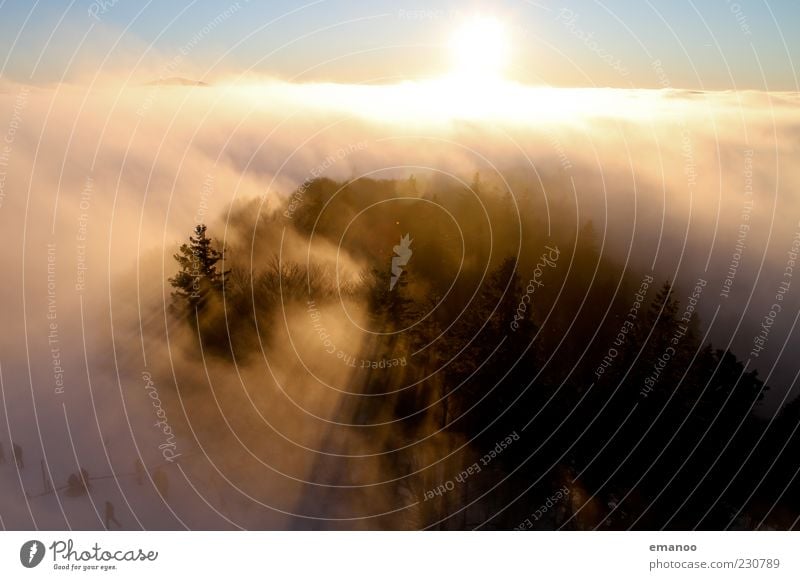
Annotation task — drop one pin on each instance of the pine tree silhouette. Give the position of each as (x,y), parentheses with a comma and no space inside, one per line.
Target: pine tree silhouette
(198,276)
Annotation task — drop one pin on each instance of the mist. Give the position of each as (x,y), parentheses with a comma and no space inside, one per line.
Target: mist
(100,186)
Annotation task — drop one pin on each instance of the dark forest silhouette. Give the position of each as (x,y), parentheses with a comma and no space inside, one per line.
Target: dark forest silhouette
(678,447)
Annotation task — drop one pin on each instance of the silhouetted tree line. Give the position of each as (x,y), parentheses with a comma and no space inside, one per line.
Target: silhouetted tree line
(689,452)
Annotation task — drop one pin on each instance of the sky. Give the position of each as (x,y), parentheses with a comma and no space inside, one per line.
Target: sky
(700,44)
(661,173)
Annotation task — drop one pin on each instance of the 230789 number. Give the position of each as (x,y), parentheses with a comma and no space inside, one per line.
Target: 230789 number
(758,563)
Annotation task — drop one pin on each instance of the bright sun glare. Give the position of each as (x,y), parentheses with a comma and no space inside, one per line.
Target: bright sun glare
(479,48)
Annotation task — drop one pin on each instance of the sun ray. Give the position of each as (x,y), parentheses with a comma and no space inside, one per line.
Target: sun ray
(480,50)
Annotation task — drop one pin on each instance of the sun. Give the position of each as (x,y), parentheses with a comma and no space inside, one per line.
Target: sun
(479,49)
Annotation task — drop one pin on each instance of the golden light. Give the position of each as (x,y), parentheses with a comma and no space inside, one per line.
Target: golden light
(479,49)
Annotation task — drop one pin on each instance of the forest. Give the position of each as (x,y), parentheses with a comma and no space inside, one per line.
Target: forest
(509,372)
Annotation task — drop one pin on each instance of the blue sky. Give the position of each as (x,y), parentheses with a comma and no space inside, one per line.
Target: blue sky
(710,44)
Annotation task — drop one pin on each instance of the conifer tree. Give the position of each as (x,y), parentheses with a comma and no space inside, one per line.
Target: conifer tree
(198,276)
